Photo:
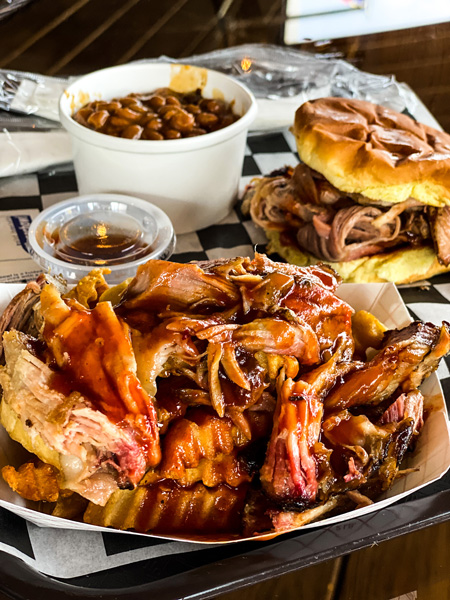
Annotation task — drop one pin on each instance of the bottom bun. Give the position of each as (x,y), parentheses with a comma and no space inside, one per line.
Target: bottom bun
(404,265)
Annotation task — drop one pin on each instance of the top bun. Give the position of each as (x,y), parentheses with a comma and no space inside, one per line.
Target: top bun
(368,149)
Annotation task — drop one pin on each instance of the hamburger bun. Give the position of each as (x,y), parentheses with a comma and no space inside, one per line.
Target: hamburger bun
(363,148)
(404,265)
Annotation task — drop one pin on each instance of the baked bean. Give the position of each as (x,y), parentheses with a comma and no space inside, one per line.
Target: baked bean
(161,114)
(182,121)
(207,120)
(193,108)
(156,102)
(112,106)
(168,111)
(138,108)
(196,131)
(127,100)
(98,104)
(82,116)
(155,124)
(152,135)
(132,132)
(128,114)
(213,106)
(148,117)
(172,134)
(227,120)
(98,118)
(119,122)
(173,101)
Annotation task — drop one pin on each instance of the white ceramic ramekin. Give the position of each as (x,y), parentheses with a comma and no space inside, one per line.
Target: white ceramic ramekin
(194,180)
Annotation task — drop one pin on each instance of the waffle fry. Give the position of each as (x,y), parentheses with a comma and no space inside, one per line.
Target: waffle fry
(167,507)
(33,482)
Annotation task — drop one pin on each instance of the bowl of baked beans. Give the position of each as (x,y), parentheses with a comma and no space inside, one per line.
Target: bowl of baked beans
(171,134)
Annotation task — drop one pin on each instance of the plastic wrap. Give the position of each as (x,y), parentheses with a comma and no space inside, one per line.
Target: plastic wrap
(275,72)
(31,94)
(282,79)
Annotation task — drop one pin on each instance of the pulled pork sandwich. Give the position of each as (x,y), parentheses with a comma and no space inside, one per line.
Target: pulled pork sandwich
(371,195)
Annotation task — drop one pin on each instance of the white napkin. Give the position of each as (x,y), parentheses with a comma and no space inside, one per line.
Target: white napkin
(31,151)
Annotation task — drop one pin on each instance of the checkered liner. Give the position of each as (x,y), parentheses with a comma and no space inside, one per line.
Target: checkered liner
(22,198)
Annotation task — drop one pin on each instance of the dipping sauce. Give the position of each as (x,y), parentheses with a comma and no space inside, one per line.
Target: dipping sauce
(89,239)
(160,115)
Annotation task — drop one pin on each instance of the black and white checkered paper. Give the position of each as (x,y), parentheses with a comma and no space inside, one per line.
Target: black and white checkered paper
(20,200)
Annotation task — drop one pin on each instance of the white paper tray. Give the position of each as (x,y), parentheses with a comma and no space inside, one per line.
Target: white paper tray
(431,456)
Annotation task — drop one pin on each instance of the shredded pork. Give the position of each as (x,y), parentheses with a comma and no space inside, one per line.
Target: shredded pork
(339,227)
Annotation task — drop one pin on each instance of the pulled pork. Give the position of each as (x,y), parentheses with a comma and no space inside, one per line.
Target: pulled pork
(339,227)
(223,397)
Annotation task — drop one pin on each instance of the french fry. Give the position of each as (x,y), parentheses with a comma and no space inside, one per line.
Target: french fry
(33,482)
(70,505)
(89,289)
(368,331)
(167,507)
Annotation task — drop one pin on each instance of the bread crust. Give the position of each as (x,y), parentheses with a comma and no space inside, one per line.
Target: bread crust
(403,265)
(368,149)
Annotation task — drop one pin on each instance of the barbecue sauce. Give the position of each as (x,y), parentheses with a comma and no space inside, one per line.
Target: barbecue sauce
(114,248)
(98,239)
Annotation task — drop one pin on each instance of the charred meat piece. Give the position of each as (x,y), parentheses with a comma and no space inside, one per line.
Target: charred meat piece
(439,339)
(285,520)
(408,356)
(290,471)
(292,466)
(18,313)
(327,315)
(160,285)
(360,447)
(406,406)
(320,275)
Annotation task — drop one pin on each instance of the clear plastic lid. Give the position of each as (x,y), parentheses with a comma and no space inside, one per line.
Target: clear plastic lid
(100,230)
